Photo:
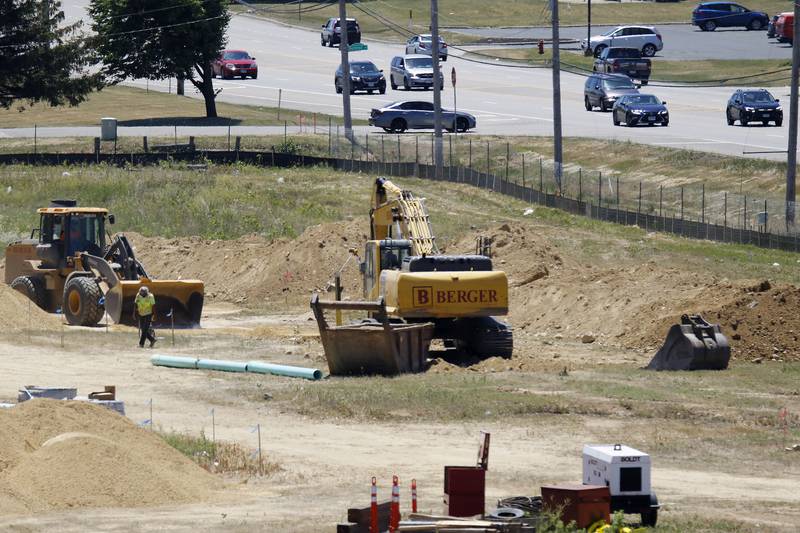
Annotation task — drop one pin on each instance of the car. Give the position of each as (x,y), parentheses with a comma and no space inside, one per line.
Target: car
(754,106)
(712,15)
(232,63)
(413,70)
(645,38)
(332,32)
(364,76)
(602,90)
(624,61)
(423,44)
(398,117)
(638,109)
(784,28)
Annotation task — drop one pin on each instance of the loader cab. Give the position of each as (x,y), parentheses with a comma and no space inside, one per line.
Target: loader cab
(386,254)
(64,233)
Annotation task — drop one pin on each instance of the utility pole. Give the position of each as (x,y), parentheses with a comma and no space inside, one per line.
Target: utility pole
(589,24)
(557,148)
(437,92)
(344,48)
(791,156)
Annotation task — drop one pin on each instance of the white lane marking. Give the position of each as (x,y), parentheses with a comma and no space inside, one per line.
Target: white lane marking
(490,102)
(679,143)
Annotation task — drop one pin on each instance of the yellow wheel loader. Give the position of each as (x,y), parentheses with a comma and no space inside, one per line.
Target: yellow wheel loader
(413,282)
(71,267)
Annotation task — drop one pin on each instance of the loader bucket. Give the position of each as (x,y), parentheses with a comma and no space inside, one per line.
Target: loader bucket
(178,300)
(694,344)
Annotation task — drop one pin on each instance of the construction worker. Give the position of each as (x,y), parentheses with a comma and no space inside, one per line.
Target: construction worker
(143,307)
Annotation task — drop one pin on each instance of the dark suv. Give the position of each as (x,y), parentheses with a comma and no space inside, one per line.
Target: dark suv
(712,15)
(629,61)
(332,32)
(754,106)
(602,90)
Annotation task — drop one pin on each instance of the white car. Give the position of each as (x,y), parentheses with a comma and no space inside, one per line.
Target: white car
(423,44)
(645,38)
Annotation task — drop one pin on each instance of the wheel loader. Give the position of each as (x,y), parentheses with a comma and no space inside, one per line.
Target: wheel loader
(71,267)
(403,270)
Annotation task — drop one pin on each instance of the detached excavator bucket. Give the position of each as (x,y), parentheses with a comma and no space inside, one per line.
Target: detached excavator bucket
(694,344)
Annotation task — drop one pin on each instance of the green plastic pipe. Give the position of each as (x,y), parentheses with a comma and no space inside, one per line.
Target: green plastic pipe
(173,361)
(219,364)
(284,370)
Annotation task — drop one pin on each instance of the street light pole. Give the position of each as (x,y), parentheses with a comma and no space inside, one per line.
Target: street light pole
(557,148)
(344,47)
(791,156)
(437,93)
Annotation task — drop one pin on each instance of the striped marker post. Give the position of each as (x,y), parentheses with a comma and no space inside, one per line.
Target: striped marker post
(373,517)
(413,495)
(394,512)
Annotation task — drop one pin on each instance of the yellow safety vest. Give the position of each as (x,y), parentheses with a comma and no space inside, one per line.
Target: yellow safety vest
(144,305)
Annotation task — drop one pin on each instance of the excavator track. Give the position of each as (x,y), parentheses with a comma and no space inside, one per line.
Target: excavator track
(492,343)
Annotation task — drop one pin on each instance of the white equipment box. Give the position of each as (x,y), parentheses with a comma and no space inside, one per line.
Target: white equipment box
(626,473)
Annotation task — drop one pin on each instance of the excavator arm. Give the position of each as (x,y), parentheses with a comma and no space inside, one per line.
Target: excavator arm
(398,214)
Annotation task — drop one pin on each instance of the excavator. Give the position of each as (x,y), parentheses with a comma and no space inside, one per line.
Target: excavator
(70,267)
(403,269)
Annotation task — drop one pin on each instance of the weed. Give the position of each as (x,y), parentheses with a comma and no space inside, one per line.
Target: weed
(220,457)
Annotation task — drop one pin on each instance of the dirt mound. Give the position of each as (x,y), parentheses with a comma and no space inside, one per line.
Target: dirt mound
(255,272)
(60,455)
(14,313)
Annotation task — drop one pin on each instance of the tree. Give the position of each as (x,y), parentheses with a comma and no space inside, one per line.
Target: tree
(40,61)
(157,39)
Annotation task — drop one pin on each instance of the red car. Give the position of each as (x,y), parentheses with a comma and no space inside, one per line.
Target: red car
(232,63)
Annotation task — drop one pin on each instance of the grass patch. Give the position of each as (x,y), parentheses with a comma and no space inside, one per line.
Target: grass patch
(137,107)
(727,72)
(470,13)
(220,457)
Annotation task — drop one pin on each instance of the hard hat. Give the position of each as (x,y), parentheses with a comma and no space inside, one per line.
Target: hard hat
(144,291)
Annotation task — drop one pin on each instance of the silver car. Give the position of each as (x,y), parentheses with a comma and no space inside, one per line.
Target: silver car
(413,70)
(398,117)
(646,39)
(423,44)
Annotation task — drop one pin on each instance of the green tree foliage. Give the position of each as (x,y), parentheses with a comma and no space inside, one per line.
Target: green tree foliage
(157,39)
(40,61)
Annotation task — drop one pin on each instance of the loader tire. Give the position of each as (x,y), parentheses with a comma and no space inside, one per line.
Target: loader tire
(33,288)
(81,302)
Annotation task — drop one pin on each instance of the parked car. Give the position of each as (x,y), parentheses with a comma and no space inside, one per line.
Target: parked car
(398,117)
(332,32)
(232,63)
(414,70)
(364,76)
(784,28)
(712,15)
(602,90)
(627,61)
(645,38)
(771,26)
(423,44)
(638,109)
(754,106)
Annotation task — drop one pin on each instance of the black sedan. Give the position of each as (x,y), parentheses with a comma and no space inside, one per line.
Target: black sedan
(364,76)
(754,106)
(638,109)
(398,117)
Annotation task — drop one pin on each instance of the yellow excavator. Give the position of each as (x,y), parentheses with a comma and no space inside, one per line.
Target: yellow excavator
(408,283)
(70,267)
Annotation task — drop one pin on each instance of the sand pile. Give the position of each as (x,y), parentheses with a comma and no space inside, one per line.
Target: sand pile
(61,455)
(255,272)
(14,313)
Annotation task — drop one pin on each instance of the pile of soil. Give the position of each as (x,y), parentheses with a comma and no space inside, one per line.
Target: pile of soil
(14,313)
(255,272)
(62,455)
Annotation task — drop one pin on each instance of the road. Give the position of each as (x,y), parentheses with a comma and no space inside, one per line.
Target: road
(681,41)
(505,99)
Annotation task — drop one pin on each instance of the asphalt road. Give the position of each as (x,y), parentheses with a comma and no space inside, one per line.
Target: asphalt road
(681,41)
(505,100)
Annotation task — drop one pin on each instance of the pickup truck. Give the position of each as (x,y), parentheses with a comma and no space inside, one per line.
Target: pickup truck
(628,61)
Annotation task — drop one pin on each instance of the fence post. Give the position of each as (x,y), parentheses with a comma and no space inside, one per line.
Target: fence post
(617,184)
(97,149)
(470,153)
(399,157)
(144,144)
(580,184)
(639,209)
(744,214)
(766,217)
(661,202)
(599,192)
(523,170)
(681,208)
(191,143)
(383,148)
(488,167)
(366,147)
(330,138)
(508,158)
(703,204)
(238,145)
(541,175)
(450,140)
(416,149)
(725,212)
(433,158)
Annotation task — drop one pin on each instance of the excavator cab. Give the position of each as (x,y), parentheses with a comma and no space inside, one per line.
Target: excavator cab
(386,254)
